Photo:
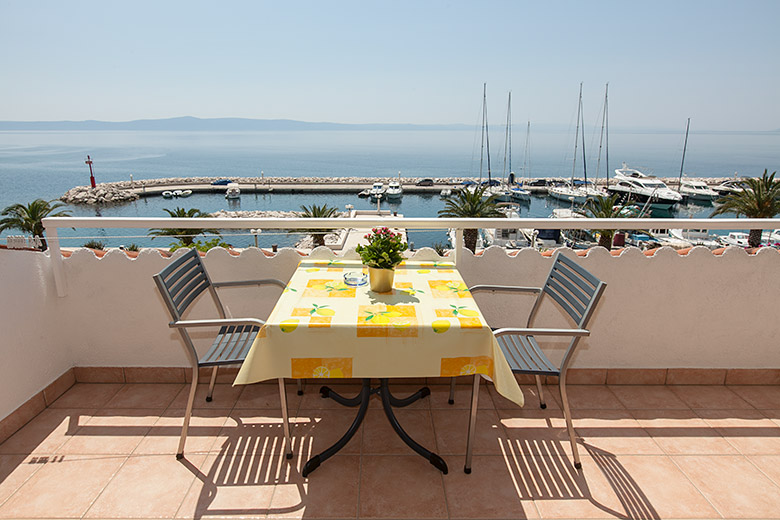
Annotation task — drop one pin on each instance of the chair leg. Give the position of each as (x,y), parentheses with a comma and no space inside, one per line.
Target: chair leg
(285,418)
(472,422)
(569,426)
(300,386)
(451,400)
(188,413)
(211,383)
(542,404)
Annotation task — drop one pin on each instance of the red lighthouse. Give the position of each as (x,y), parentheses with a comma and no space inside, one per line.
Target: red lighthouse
(91,176)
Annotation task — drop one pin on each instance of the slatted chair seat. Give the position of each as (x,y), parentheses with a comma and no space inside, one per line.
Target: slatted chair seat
(576,292)
(231,345)
(525,357)
(180,284)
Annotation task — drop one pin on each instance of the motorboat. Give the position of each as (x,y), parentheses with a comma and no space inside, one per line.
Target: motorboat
(568,192)
(697,237)
(167,194)
(633,185)
(177,193)
(697,191)
(233,191)
(185,193)
(735,238)
(729,187)
(365,193)
(394,191)
(591,190)
(377,191)
(445,193)
(510,238)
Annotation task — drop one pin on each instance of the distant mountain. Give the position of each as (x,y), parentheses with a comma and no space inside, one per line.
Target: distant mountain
(213,125)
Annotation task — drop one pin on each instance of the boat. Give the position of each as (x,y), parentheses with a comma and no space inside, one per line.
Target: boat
(591,188)
(697,191)
(697,237)
(575,238)
(185,193)
(233,191)
(509,238)
(394,191)
(167,194)
(377,191)
(445,193)
(177,193)
(491,187)
(735,238)
(636,187)
(567,191)
(519,194)
(365,193)
(730,186)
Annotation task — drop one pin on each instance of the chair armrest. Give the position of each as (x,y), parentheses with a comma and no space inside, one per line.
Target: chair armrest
(505,288)
(542,332)
(239,283)
(216,323)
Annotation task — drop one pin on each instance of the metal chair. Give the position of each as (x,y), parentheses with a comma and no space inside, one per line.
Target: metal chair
(577,292)
(180,285)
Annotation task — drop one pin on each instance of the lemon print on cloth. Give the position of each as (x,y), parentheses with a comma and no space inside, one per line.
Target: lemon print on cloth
(463,311)
(386,320)
(322,310)
(289,325)
(449,289)
(440,326)
(321,367)
(463,366)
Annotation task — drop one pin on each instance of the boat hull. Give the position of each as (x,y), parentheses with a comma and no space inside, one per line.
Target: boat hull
(633,197)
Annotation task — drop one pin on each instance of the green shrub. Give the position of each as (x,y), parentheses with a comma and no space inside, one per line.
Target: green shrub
(95,244)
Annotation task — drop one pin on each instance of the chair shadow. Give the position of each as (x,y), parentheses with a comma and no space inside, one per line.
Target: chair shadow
(542,470)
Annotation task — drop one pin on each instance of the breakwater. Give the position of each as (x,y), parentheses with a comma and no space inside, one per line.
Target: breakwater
(125,191)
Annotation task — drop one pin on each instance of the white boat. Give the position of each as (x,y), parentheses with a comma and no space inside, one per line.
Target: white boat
(568,193)
(501,193)
(697,237)
(365,193)
(233,191)
(510,238)
(177,193)
(167,194)
(519,194)
(377,191)
(394,191)
(730,186)
(445,193)
(185,193)
(697,191)
(735,238)
(636,187)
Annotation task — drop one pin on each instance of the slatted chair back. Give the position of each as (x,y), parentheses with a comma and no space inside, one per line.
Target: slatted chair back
(574,290)
(183,281)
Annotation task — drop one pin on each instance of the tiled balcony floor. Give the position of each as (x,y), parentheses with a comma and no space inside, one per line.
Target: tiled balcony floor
(106,451)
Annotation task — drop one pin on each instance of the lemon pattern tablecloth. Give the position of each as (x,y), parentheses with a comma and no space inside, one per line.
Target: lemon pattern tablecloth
(428,325)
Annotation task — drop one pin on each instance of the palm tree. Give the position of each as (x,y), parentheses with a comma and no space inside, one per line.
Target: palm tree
(470,204)
(315,211)
(29,218)
(185,236)
(604,207)
(760,199)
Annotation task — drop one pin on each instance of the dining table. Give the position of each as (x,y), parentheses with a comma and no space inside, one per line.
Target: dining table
(329,324)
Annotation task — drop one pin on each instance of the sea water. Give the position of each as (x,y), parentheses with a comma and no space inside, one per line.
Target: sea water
(46,164)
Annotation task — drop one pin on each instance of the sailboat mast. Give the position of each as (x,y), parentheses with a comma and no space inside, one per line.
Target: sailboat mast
(685,147)
(601,139)
(606,126)
(576,137)
(508,145)
(584,165)
(526,157)
(482,149)
(487,138)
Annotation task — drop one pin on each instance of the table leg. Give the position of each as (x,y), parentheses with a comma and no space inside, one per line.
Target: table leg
(387,404)
(363,399)
(472,422)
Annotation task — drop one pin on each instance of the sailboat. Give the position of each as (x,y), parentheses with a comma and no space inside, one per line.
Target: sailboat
(593,191)
(516,193)
(568,191)
(491,190)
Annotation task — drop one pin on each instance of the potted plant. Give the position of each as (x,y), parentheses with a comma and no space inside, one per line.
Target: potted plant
(381,255)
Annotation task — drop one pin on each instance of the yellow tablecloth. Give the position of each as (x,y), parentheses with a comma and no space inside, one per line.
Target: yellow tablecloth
(428,325)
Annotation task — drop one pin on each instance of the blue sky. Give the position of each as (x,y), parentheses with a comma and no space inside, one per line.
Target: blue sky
(394,62)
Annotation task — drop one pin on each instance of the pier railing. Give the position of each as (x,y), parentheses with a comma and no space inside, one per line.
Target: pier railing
(53,224)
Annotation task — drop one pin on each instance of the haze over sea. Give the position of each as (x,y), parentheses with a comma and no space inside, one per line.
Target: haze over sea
(45,164)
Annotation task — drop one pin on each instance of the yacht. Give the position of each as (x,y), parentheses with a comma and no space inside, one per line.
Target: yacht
(637,187)
(568,192)
(377,191)
(697,237)
(233,191)
(394,191)
(697,191)
(735,238)
(729,187)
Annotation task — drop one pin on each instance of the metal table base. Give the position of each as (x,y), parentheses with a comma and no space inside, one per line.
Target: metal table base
(388,402)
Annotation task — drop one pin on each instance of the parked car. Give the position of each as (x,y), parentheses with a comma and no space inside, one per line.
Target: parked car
(221,182)
(425,182)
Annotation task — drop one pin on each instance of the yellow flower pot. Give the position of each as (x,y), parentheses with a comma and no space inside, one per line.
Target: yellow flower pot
(380,280)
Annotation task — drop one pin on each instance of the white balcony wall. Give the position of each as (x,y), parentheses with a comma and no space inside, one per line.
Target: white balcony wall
(665,311)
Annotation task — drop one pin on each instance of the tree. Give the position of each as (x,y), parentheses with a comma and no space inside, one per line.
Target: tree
(470,204)
(186,236)
(29,218)
(315,211)
(604,207)
(760,199)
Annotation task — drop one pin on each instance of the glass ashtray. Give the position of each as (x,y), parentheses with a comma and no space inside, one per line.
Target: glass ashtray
(355,278)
